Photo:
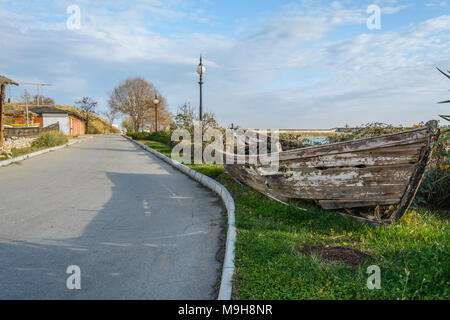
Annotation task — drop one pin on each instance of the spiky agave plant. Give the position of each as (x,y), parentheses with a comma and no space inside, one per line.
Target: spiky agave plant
(447,101)
(445,135)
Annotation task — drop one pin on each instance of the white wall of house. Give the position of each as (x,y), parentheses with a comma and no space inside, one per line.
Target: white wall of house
(63,119)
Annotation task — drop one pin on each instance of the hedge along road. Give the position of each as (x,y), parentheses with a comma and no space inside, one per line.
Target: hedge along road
(136,227)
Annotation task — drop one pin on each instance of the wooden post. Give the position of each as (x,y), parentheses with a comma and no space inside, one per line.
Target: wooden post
(2,114)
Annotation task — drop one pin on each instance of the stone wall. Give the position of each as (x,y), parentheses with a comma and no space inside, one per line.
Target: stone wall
(29,132)
(15,143)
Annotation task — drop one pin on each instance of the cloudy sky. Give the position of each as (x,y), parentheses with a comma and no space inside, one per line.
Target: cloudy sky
(271,63)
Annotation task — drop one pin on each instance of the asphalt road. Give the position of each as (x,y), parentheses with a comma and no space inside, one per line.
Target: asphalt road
(136,227)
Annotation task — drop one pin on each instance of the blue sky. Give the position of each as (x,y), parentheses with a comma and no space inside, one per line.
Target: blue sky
(273,64)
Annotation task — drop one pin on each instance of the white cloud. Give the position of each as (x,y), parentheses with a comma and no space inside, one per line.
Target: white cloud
(393,10)
(436,3)
(387,77)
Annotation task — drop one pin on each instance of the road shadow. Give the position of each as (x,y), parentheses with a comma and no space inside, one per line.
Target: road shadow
(155,238)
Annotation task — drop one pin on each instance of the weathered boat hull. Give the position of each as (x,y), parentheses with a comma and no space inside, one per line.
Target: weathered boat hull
(374,179)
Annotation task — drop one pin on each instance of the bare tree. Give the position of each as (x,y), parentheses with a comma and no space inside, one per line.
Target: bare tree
(186,116)
(26,96)
(164,116)
(127,125)
(87,105)
(39,99)
(36,99)
(133,97)
(209,121)
(111,115)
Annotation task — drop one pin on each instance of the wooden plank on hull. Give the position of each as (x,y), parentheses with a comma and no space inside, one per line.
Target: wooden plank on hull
(378,193)
(377,157)
(314,184)
(340,204)
(348,176)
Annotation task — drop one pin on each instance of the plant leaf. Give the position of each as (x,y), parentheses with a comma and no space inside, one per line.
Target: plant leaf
(442,140)
(448,101)
(443,178)
(448,76)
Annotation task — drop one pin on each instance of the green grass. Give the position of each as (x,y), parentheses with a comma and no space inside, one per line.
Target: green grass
(210,170)
(44,141)
(22,151)
(413,254)
(158,146)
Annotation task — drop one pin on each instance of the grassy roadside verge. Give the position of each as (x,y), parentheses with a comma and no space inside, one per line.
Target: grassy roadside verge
(20,152)
(271,263)
(44,141)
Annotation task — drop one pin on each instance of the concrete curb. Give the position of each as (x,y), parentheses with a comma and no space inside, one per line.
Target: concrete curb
(228,263)
(37,153)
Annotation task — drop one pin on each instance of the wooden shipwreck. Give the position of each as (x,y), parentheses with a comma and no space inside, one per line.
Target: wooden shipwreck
(372,179)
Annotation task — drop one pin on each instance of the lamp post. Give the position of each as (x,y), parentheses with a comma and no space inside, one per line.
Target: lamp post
(201,70)
(156,101)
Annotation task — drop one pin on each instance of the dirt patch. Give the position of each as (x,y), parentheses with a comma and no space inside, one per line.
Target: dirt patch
(350,256)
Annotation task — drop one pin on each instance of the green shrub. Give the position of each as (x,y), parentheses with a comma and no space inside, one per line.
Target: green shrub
(435,187)
(445,133)
(160,136)
(369,130)
(50,139)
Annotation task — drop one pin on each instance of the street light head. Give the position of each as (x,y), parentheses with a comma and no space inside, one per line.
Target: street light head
(156,101)
(201,68)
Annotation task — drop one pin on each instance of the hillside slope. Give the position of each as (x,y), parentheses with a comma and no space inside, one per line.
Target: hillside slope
(97,125)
